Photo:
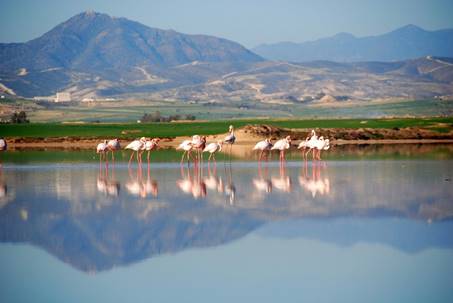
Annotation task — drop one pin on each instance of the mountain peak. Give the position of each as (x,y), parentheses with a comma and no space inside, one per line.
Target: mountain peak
(409,28)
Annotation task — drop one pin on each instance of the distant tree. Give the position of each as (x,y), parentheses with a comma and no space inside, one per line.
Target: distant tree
(19,117)
(157,117)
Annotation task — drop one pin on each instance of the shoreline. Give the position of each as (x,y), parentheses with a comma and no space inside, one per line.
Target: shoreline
(86,144)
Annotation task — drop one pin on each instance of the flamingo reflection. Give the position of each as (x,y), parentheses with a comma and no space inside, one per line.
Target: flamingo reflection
(283,182)
(230,188)
(314,184)
(106,184)
(262,183)
(212,181)
(136,186)
(192,184)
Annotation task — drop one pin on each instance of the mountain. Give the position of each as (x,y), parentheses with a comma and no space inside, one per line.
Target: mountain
(94,49)
(407,42)
(304,83)
(93,55)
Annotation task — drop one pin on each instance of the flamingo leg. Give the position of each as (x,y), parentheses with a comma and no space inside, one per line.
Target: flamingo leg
(183,154)
(130,159)
(139,156)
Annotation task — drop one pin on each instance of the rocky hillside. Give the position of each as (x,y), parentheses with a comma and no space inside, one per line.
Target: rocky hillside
(94,50)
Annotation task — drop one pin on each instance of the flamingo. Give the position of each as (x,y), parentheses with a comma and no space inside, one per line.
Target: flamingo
(264,145)
(187,146)
(321,144)
(151,145)
(113,145)
(311,144)
(101,149)
(230,138)
(3,145)
(136,146)
(199,144)
(304,145)
(282,145)
(212,148)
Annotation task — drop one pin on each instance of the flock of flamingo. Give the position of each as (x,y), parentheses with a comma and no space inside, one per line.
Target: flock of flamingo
(198,145)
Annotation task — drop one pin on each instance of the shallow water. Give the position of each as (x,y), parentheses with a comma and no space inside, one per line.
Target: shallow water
(368,229)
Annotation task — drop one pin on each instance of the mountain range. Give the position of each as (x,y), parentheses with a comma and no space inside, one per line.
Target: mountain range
(407,42)
(94,55)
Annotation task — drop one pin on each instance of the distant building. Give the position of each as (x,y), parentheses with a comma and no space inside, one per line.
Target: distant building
(63,97)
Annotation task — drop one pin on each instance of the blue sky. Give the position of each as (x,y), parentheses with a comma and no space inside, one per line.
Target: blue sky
(249,22)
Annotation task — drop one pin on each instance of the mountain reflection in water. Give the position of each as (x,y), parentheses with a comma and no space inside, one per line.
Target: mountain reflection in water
(95,218)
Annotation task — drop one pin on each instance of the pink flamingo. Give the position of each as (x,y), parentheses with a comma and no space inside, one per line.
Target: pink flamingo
(113,145)
(212,148)
(263,146)
(136,146)
(151,145)
(187,147)
(282,145)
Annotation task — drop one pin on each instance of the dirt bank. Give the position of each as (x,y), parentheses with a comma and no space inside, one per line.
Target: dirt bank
(250,134)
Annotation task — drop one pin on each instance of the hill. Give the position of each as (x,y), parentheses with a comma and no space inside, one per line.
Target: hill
(95,51)
(407,42)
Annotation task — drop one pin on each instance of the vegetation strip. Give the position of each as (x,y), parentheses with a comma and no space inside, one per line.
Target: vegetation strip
(175,129)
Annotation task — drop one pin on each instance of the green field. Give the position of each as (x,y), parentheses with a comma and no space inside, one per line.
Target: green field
(172,129)
(127,111)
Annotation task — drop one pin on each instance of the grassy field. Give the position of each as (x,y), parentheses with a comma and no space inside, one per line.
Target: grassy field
(172,129)
(127,111)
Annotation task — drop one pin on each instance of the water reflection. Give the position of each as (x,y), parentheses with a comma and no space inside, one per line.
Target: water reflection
(315,184)
(106,181)
(283,181)
(138,187)
(80,214)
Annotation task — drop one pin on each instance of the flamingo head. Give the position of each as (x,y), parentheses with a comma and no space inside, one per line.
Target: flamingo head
(288,139)
(105,141)
(231,128)
(313,133)
(143,139)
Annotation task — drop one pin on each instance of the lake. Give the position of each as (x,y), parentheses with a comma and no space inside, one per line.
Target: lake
(371,223)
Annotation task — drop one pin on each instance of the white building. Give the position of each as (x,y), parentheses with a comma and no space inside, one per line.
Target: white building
(63,97)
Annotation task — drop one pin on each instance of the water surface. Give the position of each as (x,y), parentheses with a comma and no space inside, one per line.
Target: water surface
(358,227)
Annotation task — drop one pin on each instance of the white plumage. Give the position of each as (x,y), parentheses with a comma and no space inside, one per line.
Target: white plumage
(102,147)
(151,144)
(137,145)
(213,148)
(186,145)
(114,145)
(263,145)
(230,138)
(3,145)
(282,144)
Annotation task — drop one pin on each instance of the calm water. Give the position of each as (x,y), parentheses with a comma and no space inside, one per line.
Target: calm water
(345,230)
